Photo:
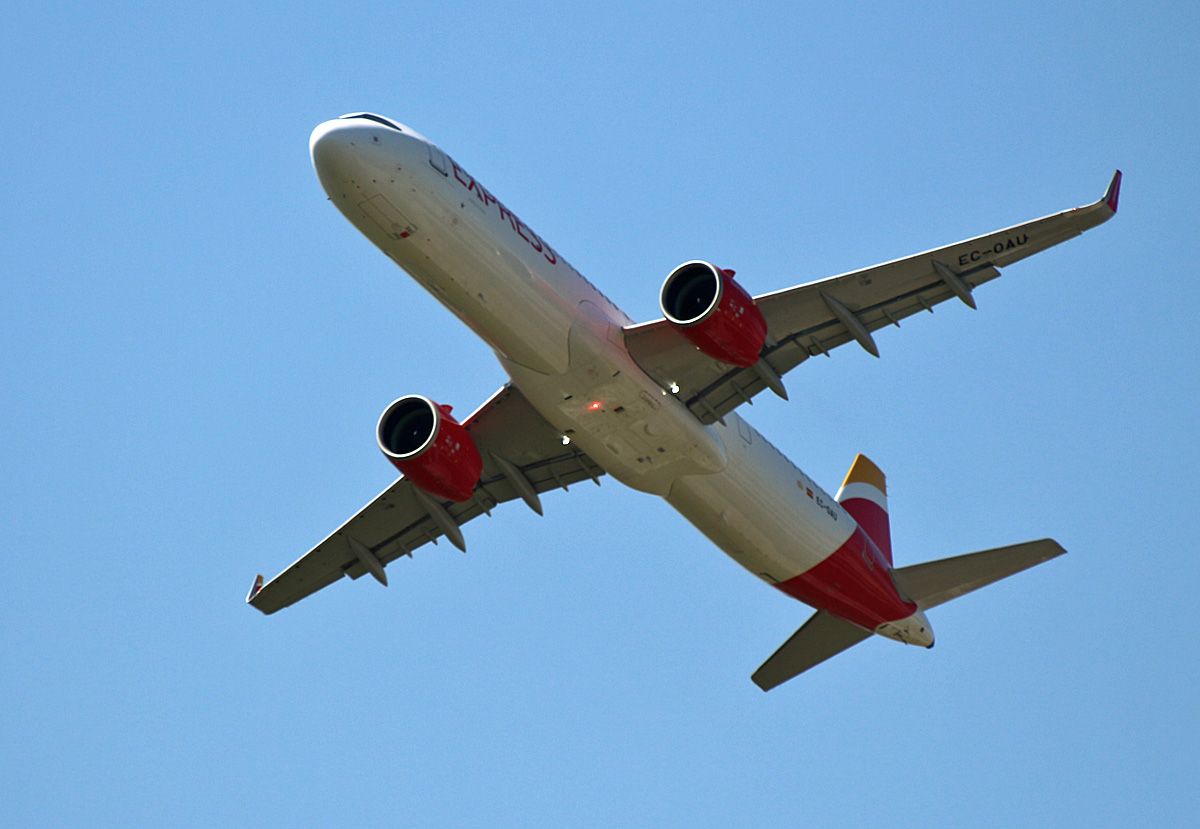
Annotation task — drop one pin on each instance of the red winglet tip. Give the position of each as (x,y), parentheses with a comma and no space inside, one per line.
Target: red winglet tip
(258,583)
(1114,192)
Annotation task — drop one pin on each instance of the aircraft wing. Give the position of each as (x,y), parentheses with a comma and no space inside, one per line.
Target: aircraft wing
(522,455)
(816,318)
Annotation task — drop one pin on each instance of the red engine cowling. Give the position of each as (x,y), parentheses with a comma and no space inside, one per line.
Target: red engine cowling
(714,313)
(430,447)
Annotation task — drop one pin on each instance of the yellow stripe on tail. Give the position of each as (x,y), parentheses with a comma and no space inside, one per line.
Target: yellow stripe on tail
(864,471)
(864,496)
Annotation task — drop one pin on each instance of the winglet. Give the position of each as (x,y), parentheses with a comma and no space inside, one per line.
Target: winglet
(1113,192)
(258,583)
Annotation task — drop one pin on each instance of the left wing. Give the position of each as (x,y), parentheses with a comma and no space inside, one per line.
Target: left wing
(523,455)
(822,637)
(815,318)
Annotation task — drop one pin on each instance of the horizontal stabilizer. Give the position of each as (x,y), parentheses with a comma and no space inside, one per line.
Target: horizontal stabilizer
(935,582)
(821,637)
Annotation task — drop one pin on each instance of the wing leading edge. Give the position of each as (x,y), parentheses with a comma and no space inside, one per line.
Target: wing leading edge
(817,317)
(523,455)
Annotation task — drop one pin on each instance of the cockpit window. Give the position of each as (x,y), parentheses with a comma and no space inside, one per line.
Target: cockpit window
(376,118)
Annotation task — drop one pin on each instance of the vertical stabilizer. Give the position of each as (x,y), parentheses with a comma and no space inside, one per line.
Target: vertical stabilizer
(864,496)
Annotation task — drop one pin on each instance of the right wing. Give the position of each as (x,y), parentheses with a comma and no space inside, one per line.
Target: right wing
(816,318)
(522,455)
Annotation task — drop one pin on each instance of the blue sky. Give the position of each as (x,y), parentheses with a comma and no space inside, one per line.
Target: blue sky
(196,347)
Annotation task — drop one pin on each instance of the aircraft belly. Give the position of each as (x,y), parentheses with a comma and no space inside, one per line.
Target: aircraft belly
(761,510)
(619,416)
(450,249)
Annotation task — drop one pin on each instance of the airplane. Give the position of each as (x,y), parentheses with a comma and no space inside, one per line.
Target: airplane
(654,405)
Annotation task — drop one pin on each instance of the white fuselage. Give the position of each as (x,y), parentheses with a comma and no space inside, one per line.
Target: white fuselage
(561,342)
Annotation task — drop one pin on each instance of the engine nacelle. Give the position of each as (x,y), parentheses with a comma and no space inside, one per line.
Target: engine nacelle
(430,447)
(714,313)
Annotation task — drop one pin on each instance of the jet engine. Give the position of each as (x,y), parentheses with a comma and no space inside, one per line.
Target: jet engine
(714,313)
(430,447)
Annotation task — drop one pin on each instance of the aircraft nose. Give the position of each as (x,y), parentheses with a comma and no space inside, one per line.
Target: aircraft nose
(352,151)
(349,153)
(331,148)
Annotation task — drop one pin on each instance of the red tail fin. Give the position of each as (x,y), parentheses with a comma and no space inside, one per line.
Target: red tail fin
(864,496)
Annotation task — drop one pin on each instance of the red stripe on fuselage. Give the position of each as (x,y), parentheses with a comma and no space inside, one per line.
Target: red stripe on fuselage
(872,518)
(854,583)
